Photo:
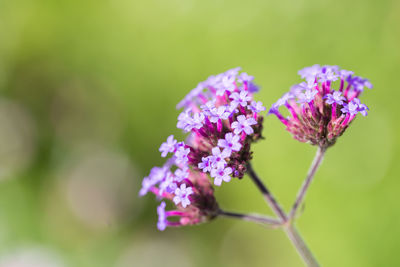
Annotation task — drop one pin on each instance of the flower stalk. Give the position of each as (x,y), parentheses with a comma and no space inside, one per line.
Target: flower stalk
(264,220)
(307,182)
(300,246)
(269,198)
(287,225)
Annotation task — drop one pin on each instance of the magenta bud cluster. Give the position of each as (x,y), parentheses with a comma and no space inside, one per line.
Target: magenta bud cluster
(323,105)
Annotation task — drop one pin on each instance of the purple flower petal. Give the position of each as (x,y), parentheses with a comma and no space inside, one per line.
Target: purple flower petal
(168,147)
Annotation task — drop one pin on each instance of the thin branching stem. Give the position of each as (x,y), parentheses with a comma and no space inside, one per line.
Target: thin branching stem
(306,184)
(269,198)
(290,230)
(300,245)
(265,220)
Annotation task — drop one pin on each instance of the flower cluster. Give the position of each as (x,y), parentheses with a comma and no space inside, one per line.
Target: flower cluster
(190,191)
(323,106)
(222,120)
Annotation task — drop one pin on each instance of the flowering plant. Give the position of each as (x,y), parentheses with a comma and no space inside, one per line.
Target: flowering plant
(223,120)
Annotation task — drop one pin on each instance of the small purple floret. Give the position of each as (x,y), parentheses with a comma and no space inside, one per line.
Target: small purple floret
(281,101)
(307,96)
(257,106)
(335,97)
(351,108)
(243,125)
(230,143)
(218,157)
(244,77)
(156,176)
(220,113)
(168,147)
(328,75)
(187,122)
(241,98)
(168,185)
(221,174)
(182,195)
(359,83)
(181,174)
(310,72)
(181,155)
(205,164)
(162,218)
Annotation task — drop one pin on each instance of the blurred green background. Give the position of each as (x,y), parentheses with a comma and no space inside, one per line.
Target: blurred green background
(88,92)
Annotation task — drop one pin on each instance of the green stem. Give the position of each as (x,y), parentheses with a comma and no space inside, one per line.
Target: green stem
(306,184)
(294,236)
(250,217)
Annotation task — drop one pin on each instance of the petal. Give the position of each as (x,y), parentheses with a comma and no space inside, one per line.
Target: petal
(228,171)
(218,181)
(226,178)
(241,119)
(176,200)
(248,130)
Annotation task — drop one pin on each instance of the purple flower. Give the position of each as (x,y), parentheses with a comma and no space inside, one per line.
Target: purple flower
(240,98)
(232,108)
(187,123)
(298,89)
(184,119)
(244,77)
(182,195)
(243,124)
(257,107)
(336,97)
(281,101)
(230,143)
(162,218)
(205,164)
(218,157)
(157,175)
(307,96)
(352,108)
(147,183)
(168,147)
(228,82)
(252,88)
(328,75)
(216,112)
(191,97)
(317,125)
(310,72)
(181,155)
(233,72)
(168,185)
(197,121)
(181,174)
(345,73)
(358,83)
(221,174)
(219,113)
(224,83)
(363,109)
(208,107)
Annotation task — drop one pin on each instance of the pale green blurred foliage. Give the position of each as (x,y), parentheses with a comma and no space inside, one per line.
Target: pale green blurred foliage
(88,92)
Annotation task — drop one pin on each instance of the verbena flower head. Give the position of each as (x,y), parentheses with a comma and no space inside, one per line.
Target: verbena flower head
(322,107)
(222,120)
(221,116)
